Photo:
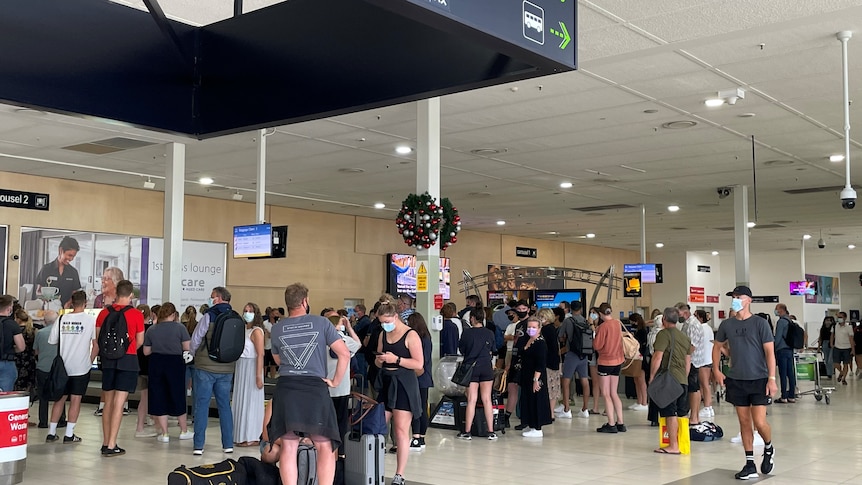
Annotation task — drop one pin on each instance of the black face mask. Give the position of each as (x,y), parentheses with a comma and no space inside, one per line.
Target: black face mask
(521,314)
(510,317)
(307,308)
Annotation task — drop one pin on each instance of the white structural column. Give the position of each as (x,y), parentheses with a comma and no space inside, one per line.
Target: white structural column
(260,199)
(175,177)
(428,180)
(740,232)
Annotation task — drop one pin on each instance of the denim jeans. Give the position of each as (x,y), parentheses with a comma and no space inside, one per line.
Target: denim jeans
(786,374)
(8,375)
(206,385)
(827,359)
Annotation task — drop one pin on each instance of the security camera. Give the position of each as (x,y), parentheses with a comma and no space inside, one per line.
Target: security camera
(821,243)
(14,257)
(848,198)
(723,192)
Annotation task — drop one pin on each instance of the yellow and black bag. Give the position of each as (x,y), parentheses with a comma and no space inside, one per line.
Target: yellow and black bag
(227,472)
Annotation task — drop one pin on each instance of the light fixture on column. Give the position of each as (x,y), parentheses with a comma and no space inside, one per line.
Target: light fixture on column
(149,184)
(236,196)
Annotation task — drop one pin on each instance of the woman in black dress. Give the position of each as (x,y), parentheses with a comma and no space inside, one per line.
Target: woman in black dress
(535,403)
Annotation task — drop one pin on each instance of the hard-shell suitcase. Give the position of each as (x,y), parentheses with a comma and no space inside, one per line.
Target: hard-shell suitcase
(363,462)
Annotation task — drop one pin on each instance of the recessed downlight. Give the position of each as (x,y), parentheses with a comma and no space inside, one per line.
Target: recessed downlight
(806,237)
(751,224)
(715,253)
(488,151)
(590,235)
(673,208)
(851,246)
(713,102)
(403,150)
(659,245)
(501,223)
(565,185)
(679,125)
(206,180)
(379,205)
(836,158)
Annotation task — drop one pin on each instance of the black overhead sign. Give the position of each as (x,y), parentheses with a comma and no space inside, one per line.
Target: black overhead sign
(764,299)
(526,252)
(24,200)
(703,269)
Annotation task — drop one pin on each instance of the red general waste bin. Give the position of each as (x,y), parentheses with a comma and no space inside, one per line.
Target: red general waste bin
(14,414)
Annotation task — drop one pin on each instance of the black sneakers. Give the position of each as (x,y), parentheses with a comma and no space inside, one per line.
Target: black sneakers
(768,464)
(622,428)
(749,471)
(51,438)
(464,436)
(115,451)
(607,428)
(71,439)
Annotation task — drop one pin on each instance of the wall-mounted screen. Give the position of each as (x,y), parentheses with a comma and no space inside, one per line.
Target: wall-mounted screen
(802,288)
(552,298)
(253,241)
(401,275)
(650,273)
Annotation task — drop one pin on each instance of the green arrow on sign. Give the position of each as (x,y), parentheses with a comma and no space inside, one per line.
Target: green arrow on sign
(563,35)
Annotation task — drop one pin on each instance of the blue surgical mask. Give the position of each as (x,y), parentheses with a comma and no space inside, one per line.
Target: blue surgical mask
(736,304)
(840,320)
(211,302)
(594,316)
(776,313)
(388,327)
(248,316)
(340,328)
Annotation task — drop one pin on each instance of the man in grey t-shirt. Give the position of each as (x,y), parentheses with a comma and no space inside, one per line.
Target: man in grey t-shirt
(574,363)
(751,381)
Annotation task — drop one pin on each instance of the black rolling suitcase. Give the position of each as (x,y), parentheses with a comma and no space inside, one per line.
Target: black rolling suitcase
(480,426)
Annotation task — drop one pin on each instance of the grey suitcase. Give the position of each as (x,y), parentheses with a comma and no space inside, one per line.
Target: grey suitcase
(363,462)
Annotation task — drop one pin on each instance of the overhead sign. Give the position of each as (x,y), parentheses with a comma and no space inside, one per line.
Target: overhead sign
(764,299)
(696,294)
(24,200)
(526,252)
(422,278)
(633,287)
(703,269)
(546,27)
(712,299)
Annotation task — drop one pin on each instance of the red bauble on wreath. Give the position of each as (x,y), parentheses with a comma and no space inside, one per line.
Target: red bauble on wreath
(422,222)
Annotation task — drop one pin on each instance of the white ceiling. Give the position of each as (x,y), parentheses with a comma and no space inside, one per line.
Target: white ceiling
(588,127)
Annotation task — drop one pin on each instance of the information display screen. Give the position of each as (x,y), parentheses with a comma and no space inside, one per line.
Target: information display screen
(252,241)
(552,298)
(649,272)
(401,275)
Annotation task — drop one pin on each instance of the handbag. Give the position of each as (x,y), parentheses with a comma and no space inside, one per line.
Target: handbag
(631,346)
(368,416)
(55,384)
(463,374)
(664,389)
(500,380)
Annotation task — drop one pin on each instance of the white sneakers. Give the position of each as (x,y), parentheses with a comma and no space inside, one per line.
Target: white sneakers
(583,413)
(146,433)
(189,434)
(564,414)
(706,412)
(532,433)
(163,438)
(559,408)
(639,407)
(758,440)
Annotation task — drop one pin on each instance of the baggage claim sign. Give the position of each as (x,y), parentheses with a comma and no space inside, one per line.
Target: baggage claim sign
(545,27)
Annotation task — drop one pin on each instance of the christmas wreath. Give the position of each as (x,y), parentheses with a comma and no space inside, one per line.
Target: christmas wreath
(422,222)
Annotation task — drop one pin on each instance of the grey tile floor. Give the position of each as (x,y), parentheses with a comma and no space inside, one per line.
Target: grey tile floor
(815,444)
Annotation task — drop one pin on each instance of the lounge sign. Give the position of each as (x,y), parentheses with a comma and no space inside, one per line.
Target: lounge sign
(24,200)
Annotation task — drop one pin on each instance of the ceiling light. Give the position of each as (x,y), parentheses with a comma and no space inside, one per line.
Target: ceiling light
(590,235)
(403,150)
(149,184)
(673,208)
(714,102)
(851,246)
(205,180)
(659,245)
(751,224)
(715,253)
(566,185)
(553,233)
(806,237)
(836,158)
(379,205)
(501,223)
(236,196)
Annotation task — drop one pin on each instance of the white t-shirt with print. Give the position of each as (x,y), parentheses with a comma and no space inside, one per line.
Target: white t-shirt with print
(76,340)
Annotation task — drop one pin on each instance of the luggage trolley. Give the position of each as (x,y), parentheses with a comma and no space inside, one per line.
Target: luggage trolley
(807,368)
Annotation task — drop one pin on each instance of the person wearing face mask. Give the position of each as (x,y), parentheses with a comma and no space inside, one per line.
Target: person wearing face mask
(750,383)
(843,347)
(399,356)
(535,402)
(167,345)
(514,332)
(247,402)
(212,378)
(594,321)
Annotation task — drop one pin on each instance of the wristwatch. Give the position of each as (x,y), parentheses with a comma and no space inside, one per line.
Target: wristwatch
(398,361)
(535,380)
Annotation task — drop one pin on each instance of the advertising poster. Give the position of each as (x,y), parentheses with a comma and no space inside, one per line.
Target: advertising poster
(91,261)
(511,278)
(402,274)
(826,290)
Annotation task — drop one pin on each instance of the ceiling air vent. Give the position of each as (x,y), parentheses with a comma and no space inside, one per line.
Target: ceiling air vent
(109,145)
(759,226)
(814,190)
(597,208)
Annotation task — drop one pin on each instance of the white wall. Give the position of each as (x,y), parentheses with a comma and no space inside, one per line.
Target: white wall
(674,288)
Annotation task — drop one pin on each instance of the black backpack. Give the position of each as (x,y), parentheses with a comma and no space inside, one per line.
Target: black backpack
(581,342)
(114,337)
(227,340)
(795,337)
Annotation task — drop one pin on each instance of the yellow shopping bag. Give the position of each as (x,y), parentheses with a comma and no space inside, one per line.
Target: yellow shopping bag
(683,435)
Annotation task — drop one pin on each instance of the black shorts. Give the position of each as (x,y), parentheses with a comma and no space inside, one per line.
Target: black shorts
(77,385)
(678,408)
(267,358)
(119,380)
(693,381)
(609,370)
(482,373)
(746,393)
(841,356)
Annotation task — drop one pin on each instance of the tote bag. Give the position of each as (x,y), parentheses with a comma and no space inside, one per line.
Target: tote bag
(463,374)
(55,384)
(664,389)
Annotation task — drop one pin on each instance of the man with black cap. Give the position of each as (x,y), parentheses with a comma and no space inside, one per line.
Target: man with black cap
(750,383)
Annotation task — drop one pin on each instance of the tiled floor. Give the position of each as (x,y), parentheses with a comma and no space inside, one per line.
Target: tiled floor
(815,444)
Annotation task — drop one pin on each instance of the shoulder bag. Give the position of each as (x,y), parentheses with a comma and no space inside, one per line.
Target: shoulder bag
(55,384)
(664,389)
(631,352)
(463,374)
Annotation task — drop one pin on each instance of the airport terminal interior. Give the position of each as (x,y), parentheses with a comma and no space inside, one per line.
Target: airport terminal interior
(707,136)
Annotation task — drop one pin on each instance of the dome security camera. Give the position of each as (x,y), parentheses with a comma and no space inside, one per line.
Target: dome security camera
(821,243)
(723,192)
(848,198)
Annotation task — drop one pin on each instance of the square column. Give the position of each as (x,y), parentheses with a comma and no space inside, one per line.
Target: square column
(175,177)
